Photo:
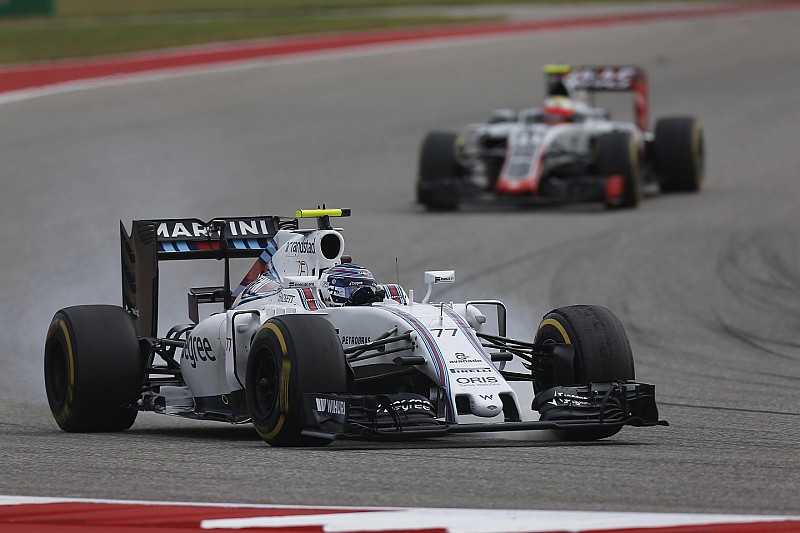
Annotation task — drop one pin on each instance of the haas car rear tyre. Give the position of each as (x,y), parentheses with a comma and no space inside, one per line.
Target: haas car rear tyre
(602,352)
(679,154)
(617,157)
(93,368)
(440,173)
(291,355)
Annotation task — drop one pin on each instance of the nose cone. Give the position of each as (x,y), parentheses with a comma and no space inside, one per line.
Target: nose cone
(486,405)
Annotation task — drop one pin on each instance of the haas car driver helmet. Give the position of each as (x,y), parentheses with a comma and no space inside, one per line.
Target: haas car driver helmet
(350,284)
(558,110)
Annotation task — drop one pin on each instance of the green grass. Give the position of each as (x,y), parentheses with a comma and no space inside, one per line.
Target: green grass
(84,28)
(85,38)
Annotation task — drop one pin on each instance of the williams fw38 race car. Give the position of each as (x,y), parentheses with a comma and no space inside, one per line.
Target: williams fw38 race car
(310,348)
(565,151)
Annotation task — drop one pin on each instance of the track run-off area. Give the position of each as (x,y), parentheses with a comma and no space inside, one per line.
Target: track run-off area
(707,285)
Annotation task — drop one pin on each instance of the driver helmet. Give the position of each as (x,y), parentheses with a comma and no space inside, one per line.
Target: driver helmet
(558,110)
(350,284)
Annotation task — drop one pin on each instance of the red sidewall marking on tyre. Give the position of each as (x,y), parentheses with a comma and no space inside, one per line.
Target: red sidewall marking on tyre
(32,76)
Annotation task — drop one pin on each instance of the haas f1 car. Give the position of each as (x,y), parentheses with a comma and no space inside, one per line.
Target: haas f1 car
(309,348)
(567,150)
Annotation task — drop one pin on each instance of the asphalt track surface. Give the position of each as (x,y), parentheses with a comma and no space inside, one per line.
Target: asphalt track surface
(706,284)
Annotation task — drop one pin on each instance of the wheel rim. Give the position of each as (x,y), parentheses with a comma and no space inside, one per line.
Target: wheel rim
(267,380)
(56,376)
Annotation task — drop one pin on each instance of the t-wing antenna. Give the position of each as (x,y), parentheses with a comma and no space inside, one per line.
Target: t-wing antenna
(322,215)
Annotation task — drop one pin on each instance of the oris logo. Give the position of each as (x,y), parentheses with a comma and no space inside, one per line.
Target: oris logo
(477,380)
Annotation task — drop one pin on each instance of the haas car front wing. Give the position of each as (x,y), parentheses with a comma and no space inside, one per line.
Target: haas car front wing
(409,416)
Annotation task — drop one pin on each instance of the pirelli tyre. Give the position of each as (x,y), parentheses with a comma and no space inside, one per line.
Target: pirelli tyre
(617,157)
(679,154)
(93,368)
(440,174)
(602,352)
(291,355)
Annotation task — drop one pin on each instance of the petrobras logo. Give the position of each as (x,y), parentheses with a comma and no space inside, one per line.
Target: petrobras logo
(352,339)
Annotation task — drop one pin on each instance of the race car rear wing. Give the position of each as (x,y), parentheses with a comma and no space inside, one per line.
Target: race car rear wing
(566,80)
(153,241)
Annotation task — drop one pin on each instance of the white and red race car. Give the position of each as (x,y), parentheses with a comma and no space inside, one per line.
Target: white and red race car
(305,370)
(571,153)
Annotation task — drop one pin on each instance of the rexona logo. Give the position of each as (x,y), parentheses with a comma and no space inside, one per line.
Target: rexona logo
(331,406)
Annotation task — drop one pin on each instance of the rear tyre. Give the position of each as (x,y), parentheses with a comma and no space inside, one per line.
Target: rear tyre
(440,173)
(617,155)
(93,369)
(602,352)
(291,355)
(679,154)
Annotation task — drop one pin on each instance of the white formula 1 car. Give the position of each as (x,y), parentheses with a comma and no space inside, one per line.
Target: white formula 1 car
(567,150)
(306,371)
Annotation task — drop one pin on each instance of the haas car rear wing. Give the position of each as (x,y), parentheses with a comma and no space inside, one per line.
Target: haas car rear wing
(152,241)
(567,80)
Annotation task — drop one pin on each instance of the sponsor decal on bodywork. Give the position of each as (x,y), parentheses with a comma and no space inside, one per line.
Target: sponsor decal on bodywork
(198,348)
(354,339)
(331,406)
(471,370)
(409,404)
(197,229)
(300,247)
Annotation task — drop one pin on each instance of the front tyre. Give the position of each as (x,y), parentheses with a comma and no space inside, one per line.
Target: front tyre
(602,352)
(291,355)
(617,160)
(93,369)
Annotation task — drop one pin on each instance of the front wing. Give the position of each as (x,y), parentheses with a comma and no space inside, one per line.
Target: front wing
(410,416)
